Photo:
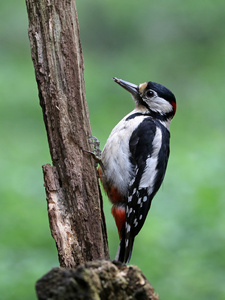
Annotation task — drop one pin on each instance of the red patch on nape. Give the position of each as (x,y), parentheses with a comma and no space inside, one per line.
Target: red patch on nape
(120,218)
(174,106)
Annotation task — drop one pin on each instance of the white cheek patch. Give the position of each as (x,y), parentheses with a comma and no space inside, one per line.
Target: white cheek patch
(159,104)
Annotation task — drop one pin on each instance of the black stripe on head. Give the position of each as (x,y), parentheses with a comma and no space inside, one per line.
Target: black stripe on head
(137,115)
(162,91)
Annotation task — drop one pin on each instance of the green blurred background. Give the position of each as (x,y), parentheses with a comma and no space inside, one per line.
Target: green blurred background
(181,248)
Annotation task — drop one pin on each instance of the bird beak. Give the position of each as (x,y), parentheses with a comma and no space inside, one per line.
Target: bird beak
(130,87)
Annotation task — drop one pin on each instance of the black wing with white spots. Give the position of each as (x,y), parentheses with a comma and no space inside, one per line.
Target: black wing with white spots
(149,148)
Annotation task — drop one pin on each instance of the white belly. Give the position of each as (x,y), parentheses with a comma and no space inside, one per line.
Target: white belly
(115,155)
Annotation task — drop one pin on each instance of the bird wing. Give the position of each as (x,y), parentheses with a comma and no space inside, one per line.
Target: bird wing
(147,144)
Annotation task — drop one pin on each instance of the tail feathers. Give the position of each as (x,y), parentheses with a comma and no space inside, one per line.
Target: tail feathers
(125,250)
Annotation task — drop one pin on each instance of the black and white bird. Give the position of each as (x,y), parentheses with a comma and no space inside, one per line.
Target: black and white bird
(134,159)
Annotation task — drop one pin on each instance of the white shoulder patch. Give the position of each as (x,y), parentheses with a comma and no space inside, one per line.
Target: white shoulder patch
(148,178)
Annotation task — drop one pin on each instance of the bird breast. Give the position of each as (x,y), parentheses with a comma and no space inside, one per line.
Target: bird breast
(118,169)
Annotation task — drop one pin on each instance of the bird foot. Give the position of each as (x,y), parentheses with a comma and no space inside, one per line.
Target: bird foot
(96,152)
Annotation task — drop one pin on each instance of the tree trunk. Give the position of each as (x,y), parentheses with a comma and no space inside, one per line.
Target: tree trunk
(74,200)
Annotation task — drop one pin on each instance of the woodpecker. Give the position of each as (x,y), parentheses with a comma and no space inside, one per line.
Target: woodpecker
(134,159)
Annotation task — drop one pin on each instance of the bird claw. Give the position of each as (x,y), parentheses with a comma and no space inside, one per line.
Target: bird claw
(96,152)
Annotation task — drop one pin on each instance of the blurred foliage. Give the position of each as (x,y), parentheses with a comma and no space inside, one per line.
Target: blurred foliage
(181,247)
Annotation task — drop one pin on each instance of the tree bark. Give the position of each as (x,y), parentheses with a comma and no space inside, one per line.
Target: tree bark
(74,200)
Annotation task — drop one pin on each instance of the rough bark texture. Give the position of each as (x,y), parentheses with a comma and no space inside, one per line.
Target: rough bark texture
(74,202)
(95,280)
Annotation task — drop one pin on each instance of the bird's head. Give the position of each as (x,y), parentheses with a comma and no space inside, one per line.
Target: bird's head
(151,97)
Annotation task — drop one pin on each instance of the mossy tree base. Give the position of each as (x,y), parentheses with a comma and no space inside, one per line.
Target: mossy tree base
(94,281)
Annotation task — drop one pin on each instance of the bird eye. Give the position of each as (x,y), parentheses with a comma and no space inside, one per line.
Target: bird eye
(149,94)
